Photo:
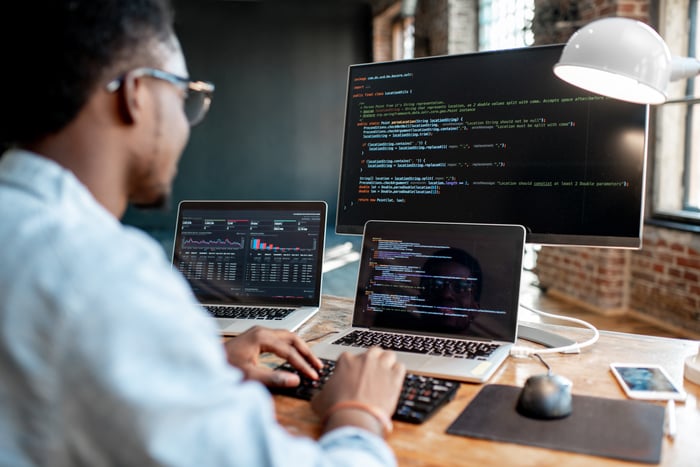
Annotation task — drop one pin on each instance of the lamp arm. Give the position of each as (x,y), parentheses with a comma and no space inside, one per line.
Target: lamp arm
(684,67)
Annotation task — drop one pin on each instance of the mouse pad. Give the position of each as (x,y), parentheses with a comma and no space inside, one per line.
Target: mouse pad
(621,429)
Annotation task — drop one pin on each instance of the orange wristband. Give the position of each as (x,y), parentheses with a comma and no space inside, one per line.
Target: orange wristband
(378,414)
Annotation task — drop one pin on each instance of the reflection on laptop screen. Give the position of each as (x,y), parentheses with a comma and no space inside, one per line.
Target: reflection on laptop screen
(434,278)
(250,256)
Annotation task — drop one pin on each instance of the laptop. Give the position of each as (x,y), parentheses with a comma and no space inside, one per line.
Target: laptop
(252,262)
(443,296)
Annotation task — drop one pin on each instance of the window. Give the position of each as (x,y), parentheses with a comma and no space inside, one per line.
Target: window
(692,122)
(394,32)
(676,148)
(505,24)
(403,38)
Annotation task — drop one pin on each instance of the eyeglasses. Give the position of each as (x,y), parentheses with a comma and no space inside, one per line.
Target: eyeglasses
(459,286)
(198,94)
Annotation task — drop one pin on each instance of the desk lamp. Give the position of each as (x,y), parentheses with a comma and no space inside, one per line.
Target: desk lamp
(626,59)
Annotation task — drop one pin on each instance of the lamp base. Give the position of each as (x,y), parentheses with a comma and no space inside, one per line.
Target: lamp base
(692,369)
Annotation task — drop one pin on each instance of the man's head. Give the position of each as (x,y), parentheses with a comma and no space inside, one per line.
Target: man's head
(65,50)
(80,80)
(453,278)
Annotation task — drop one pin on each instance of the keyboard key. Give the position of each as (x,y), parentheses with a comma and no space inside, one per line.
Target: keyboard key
(419,344)
(420,397)
(243,312)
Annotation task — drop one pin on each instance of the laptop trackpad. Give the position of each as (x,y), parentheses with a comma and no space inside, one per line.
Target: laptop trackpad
(414,362)
(458,367)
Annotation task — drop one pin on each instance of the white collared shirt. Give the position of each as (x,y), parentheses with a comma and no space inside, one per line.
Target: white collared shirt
(106,358)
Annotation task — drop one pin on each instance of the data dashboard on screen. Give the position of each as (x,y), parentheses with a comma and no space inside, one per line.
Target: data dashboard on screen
(492,137)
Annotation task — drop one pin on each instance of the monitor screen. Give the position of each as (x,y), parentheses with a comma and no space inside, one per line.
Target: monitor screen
(492,137)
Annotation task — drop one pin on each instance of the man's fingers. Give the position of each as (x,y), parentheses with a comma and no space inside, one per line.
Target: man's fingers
(248,346)
(272,378)
(293,349)
(301,364)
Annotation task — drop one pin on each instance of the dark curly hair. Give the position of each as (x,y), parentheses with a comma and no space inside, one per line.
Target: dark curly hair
(59,51)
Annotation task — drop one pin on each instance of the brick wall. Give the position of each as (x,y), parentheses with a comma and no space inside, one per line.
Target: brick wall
(382,27)
(637,9)
(432,28)
(555,21)
(665,278)
(594,276)
(441,27)
(659,282)
(463,37)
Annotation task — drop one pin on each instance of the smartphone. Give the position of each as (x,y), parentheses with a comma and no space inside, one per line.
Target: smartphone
(644,381)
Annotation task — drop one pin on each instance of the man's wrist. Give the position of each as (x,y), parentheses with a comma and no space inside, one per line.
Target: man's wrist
(360,415)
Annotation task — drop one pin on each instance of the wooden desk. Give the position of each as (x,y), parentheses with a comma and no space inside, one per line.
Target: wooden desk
(429,445)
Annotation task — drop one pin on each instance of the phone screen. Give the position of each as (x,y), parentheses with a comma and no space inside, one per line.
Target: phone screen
(640,378)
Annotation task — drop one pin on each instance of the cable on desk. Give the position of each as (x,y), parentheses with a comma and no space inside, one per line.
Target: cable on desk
(546,365)
(520,351)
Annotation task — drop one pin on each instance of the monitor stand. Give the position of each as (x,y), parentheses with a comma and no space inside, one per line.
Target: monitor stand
(546,338)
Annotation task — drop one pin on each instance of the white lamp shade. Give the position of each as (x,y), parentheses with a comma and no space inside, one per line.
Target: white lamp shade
(620,58)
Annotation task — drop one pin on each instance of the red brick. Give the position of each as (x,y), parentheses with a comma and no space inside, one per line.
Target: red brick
(605,271)
(646,252)
(677,247)
(690,276)
(644,276)
(688,262)
(665,257)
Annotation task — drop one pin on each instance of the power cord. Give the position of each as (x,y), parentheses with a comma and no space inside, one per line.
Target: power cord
(546,365)
(520,351)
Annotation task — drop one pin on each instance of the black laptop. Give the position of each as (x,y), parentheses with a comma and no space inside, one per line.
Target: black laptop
(253,262)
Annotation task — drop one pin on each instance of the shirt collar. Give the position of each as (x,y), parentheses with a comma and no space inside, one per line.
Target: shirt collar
(45,179)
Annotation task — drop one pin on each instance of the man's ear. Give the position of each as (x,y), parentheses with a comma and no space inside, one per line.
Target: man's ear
(131,99)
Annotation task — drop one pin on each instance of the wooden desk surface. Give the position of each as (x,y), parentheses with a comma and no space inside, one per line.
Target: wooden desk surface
(429,445)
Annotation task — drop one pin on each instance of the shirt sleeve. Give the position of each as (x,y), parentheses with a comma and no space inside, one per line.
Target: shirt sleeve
(145,382)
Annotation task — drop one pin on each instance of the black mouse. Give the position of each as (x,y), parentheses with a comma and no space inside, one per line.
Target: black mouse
(545,397)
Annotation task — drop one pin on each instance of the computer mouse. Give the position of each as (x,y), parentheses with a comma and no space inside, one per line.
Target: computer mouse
(545,397)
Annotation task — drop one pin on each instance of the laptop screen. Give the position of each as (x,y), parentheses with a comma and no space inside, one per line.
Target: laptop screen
(440,278)
(251,252)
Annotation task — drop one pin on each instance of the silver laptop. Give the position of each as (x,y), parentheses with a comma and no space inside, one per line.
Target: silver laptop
(444,296)
(253,262)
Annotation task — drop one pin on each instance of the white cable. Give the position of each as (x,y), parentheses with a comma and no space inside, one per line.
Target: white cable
(519,351)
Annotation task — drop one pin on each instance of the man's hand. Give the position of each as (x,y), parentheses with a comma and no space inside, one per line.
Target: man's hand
(374,378)
(243,352)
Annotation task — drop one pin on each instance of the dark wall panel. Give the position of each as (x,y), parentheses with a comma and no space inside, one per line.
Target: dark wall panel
(275,127)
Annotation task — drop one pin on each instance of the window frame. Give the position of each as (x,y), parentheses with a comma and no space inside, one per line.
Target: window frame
(691,110)
(676,212)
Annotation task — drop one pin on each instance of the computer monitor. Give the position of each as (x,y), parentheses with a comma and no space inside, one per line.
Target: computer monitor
(492,137)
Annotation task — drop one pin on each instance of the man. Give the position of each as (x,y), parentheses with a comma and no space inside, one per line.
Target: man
(452,286)
(105,357)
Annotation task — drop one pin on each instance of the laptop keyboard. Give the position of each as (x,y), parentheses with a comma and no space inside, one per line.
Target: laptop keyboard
(245,312)
(425,345)
(420,398)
